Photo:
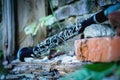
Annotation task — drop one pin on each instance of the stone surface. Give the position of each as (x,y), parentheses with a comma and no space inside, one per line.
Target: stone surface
(65,2)
(81,7)
(98,30)
(42,70)
(59,3)
(102,49)
(28,12)
(106,2)
(78,8)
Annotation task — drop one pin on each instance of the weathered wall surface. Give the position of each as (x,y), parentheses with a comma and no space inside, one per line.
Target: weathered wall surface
(28,12)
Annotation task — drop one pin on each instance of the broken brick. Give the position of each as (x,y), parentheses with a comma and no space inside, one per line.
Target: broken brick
(103,49)
(114,19)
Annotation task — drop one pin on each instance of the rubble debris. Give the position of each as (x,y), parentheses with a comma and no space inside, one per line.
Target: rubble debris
(42,70)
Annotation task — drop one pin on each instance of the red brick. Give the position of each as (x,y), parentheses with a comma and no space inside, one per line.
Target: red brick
(114,19)
(102,49)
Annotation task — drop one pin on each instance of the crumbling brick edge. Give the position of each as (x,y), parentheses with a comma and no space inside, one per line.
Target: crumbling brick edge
(101,49)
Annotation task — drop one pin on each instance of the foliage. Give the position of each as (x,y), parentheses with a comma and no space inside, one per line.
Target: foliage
(118,71)
(1,55)
(34,26)
(99,67)
(44,21)
(2,69)
(96,71)
(51,7)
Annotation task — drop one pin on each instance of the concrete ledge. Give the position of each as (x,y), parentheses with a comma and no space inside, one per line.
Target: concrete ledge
(104,49)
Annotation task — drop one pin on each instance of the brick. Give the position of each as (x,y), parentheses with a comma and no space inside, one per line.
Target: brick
(114,19)
(103,49)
